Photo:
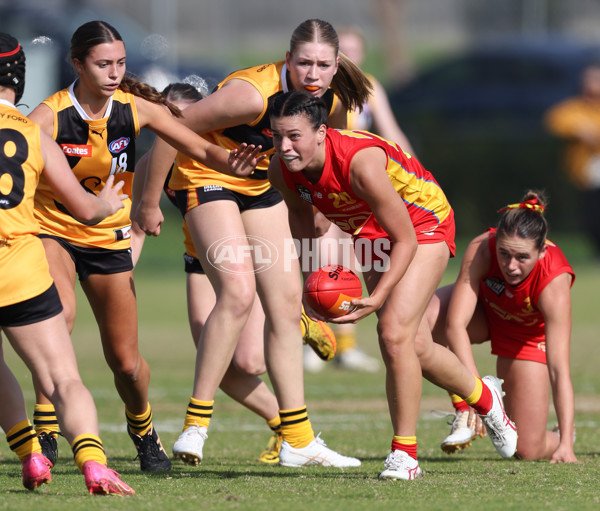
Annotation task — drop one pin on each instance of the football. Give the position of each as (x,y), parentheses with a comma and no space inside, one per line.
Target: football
(330,289)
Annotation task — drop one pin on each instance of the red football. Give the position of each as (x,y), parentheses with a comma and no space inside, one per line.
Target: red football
(330,290)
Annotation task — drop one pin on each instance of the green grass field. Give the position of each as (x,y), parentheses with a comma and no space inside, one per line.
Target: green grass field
(348,408)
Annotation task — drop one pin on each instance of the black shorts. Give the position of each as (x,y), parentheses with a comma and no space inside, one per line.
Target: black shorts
(192,264)
(189,199)
(36,309)
(90,261)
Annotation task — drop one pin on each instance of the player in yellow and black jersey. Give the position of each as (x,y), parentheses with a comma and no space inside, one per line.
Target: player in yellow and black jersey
(30,309)
(246,217)
(95,121)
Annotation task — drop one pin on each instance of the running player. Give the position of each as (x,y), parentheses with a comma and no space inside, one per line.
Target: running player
(403,228)
(30,309)
(96,121)
(241,381)
(241,214)
(514,288)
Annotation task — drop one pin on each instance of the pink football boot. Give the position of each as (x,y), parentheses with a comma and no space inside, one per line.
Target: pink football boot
(101,480)
(36,470)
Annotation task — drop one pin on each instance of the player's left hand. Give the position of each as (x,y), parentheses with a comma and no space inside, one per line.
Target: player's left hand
(244,159)
(564,454)
(362,307)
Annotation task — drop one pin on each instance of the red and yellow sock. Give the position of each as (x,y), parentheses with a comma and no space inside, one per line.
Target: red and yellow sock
(22,439)
(45,420)
(459,404)
(139,424)
(88,447)
(481,398)
(198,413)
(296,428)
(408,444)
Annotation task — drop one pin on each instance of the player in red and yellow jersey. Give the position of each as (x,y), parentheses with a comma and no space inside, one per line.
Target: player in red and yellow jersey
(335,246)
(403,230)
(246,217)
(514,289)
(96,121)
(30,309)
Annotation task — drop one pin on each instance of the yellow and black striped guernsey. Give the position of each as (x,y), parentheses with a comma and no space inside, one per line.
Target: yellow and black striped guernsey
(95,149)
(270,80)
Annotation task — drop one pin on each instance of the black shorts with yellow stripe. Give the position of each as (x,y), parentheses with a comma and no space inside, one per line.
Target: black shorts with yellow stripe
(90,260)
(189,199)
(43,306)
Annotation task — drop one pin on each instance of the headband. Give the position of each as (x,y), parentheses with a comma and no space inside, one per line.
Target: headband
(532,204)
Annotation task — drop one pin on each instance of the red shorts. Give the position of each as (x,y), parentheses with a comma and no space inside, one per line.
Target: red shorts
(370,248)
(534,350)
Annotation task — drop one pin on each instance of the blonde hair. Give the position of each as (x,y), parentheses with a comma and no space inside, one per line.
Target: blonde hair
(349,83)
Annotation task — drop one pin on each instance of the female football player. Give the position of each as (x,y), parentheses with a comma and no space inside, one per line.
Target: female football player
(403,229)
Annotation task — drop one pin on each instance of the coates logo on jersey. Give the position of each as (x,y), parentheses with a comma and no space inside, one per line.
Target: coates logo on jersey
(116,146)
(76,150)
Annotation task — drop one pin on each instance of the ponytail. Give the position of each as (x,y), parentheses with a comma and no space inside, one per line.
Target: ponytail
(349,83)
(145,91)
(525,219)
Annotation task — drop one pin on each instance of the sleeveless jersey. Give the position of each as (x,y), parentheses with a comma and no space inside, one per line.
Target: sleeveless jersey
(23,265)
(95,149)
(333,195)
(362,120)
(515,323)
(270,80)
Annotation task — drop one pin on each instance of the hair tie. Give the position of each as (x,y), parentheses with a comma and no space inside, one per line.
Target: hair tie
(528,204)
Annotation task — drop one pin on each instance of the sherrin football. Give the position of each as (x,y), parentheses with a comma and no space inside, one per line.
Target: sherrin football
(330,290)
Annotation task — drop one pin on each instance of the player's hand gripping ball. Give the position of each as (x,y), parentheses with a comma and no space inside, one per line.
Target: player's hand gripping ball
(330,290)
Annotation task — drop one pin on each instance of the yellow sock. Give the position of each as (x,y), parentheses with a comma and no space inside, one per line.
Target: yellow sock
(275,424)
(476,394)
(198,413)
(296,428)
(22,439)
(346,338)
(44,419)
(304,319)
(139,424)
(88,448)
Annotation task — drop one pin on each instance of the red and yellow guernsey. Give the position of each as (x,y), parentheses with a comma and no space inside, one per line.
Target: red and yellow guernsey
(516,325)
(333,195)
(95,149)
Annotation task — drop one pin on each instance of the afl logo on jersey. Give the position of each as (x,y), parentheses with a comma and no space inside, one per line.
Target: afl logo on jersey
(116,146)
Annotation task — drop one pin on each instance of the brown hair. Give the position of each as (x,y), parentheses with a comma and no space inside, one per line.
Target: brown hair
(299,102)
(349,83)
(526,219)
(91,34)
